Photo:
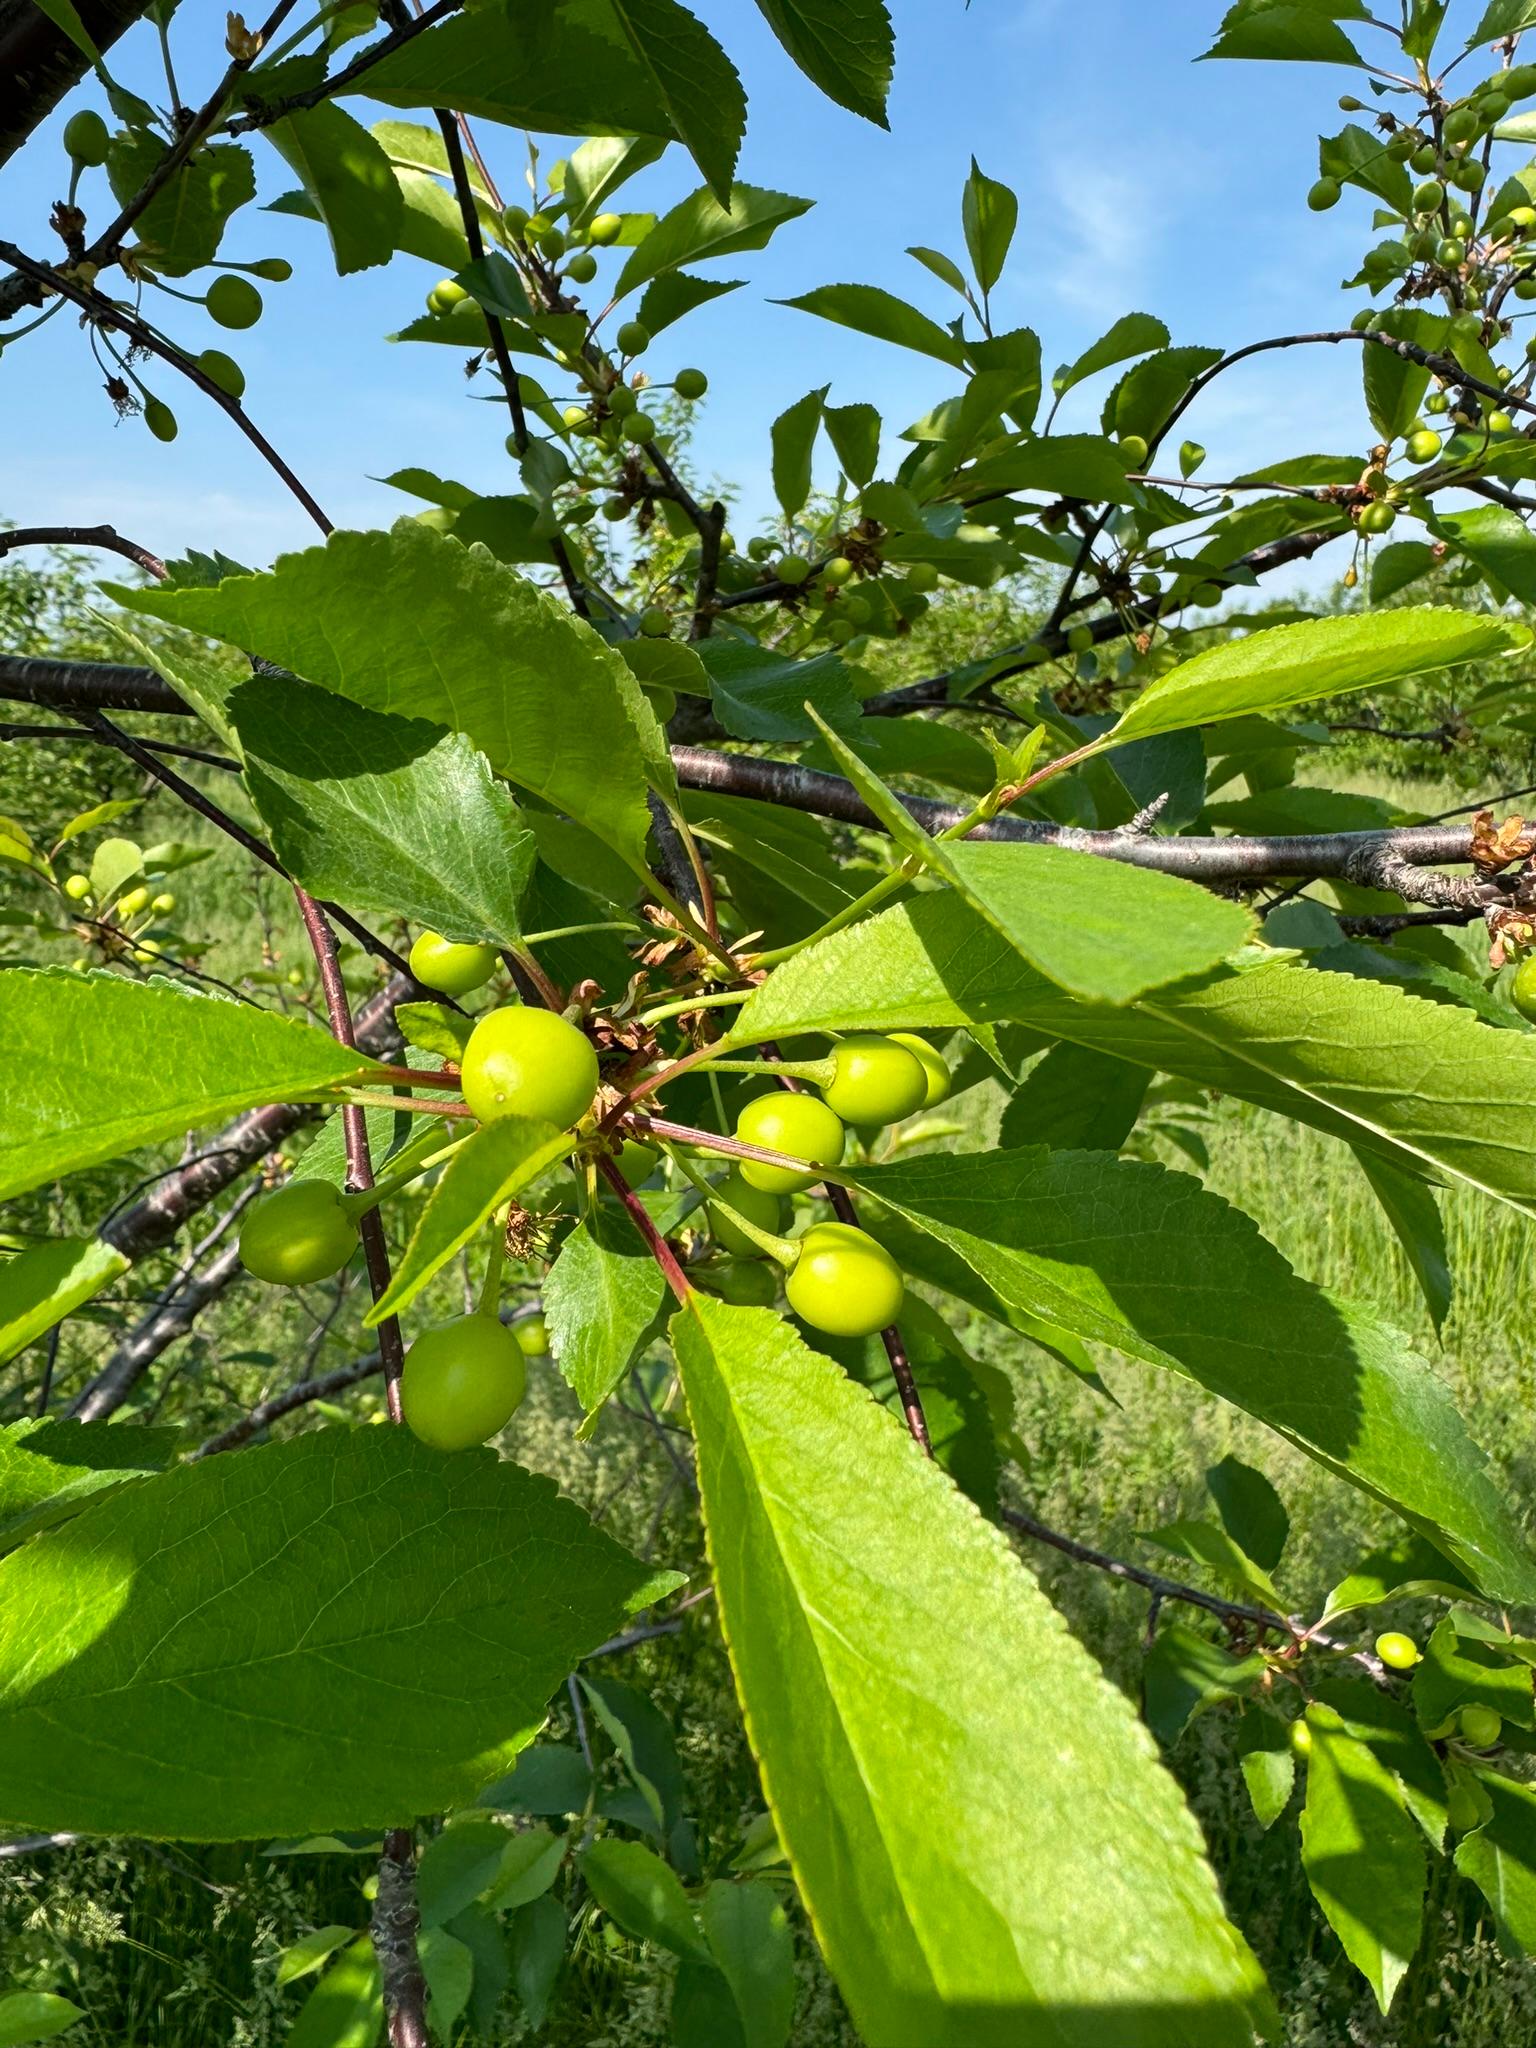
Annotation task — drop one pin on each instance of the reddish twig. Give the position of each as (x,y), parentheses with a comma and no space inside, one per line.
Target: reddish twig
(660,1250)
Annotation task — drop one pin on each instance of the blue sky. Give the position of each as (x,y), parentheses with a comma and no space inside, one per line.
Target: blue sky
(1147,182)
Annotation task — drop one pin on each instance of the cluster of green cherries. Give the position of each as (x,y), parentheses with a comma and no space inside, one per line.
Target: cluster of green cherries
(463,1379)
(1477,1724)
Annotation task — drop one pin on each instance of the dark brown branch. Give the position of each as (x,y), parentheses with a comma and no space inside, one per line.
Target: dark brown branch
(1162,1588)
(395,1926)
(265,1413)
(170,1319)
(39,64)
(55,684)
(264,113)
(107,537)
(74,735)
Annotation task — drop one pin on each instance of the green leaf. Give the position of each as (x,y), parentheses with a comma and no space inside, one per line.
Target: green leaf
(1408,1567)
(1077,1101)
(1269,670)
(1294,31)
(1143,400)
(65,15)
(1134,1255)
(1500,1859)
(694,81)
(41,1286)
(844,46)
(98,815)
(548,1778)
(182,226)
(435,1028)
(854,431)
(943,267)
(675,293)
(1267,1762)
(1251,1511)
(204,684)
(989,213)
(50,1470)
(1364,1858)
(1383,1723)
(1081,466)
(35,2015)
(449,1968)
(411,622)
(1357,157)
(639,1732)
(349,179)
(603,1297)
(443,1598)
(178,1060)
(1394,568)
(1498,541)
(749,1937)
(635,1888)
(456,1866)
(1410,1207)
(346,2008)
(703,226)
(311,1951)
(869,310)
(761,694)
(115,863)
(383,813)
(1184,1673)
(1455,1673)
(1133,334)
(1502,18)
(703,2011)
(794,436)
(1203,1543)
(538,1948)
(852,1615)
(530,1864)
(1394,384)
(596,170)
(1097,928)
(488,1169)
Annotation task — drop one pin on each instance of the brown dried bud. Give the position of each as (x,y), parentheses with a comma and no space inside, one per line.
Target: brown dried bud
(243,44)
(1500,846)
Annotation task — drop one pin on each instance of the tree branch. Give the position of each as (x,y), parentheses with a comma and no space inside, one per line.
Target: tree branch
(107,537)
(39,63)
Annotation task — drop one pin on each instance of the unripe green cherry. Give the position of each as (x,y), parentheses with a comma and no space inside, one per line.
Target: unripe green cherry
(160,420)
(1300,1738)
(525,1062)
(855,609)
(759,548)
(1377,517)
(86,138)
(621,401)
(636,1162)
(1494,108)
(461,1382)
(164,903)
(1525,287)
(840,631)
(1428,197)
(1422,445)
(640,428)
(222,370)
(133,901)
(552,243)
(1468,175)
(792,569)
(531,1336)
(837,571)
(1079,639)
(1522,990)
(1324,193)
(1425,159)
(449,967)
(757,1205)
(275,269)
(802,1126)
(606,229)
(876,1081)
(582,268)
(1460,124)
(748,1283)
(1480,1725)
(690,384)
(233,302)
(1397,1651)
(633,339)
(655,624)
(922,577)
(843,1282)
(1437,402)
(445,295)
(1450,254)
(1133,450)
(1519,82)
(298,1234)
(77,888)
(936,1072)
(515,220)
(1499,423)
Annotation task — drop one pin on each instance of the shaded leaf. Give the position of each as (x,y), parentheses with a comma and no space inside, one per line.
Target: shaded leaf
(1364,1858)
(49,1281)
(844,46)
(603,1296)
(50,1470)
(349,180)
(704,226)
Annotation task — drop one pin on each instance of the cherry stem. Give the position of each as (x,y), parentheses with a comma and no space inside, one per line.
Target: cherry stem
(640,1216)
(729,1148)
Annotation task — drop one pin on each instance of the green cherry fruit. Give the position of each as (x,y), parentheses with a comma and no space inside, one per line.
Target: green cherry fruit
(462,1382)
(1428,197)
(1499,423)
(751,1283)
(837,571)
(575,415)
(222,370)
(622,401)
(298,1234)
(936,1072)
(1377,518)
(450,968)
(1080,640)
(275,269)
(803,1126)
(792,569)
(1519,82)
(163,903)
(1494,108)
(135,900)
(1460,124)
(1451,253)
(855,608)
(86,138)
(1300,1736)
(1422,445)
(531,1336)
(445,295)
(515,220)
(636,1162)
(606,229)
(757,1205)
(633,339)
(922,577)
(840,631)
(1525,287)
(843,1282)
(160,420)
(655,624)
(1325,193)
(552,244)
(640,428)
(1425,158)
(1480,1726)
(1437,402)
(1397,1651)
(525,1062)
(1133,450)
(582,268)
(876,1082)
(1522,990)
(759,548)
(690,384)
(233,302)
(1468,175)
(77,888)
